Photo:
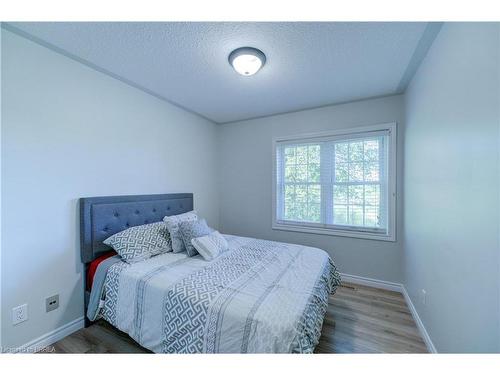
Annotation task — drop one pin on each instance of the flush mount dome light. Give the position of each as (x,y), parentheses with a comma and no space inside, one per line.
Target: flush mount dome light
(247,60)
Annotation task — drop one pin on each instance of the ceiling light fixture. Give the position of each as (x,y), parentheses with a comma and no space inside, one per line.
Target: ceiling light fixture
(247,60)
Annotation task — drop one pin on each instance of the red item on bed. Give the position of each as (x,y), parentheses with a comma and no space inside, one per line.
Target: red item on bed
(93,267)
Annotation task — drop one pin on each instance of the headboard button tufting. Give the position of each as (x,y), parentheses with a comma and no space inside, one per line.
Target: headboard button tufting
(102,217)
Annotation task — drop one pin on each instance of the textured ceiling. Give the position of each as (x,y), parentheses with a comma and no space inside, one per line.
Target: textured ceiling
(308,64)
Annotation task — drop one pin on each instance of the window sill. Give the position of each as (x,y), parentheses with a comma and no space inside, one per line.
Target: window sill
(334,232)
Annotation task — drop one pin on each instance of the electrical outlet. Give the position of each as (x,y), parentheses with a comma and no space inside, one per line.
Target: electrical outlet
(52,303)
(19,314)
(424,297)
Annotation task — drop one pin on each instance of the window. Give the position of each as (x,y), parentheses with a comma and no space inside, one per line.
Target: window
(339,183)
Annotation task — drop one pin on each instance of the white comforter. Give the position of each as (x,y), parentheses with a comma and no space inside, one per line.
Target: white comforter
(260,296)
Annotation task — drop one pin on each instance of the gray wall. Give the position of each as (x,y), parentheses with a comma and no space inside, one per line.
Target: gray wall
(452,189)
(245,181)
(69,132)
(1,342)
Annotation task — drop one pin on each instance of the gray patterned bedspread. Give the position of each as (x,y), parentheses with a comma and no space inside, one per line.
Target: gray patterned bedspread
(259,297)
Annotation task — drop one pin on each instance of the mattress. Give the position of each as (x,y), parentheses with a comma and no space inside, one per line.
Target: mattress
(258,297)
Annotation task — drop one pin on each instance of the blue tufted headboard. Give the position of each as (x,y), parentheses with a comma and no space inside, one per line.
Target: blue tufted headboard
(101,217)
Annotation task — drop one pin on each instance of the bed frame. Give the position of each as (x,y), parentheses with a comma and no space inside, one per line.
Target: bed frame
(101,217)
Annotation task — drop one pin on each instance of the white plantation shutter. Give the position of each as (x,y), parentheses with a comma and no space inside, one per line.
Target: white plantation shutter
(336,182)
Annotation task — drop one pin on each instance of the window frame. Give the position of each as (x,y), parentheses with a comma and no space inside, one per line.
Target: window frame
(355,232)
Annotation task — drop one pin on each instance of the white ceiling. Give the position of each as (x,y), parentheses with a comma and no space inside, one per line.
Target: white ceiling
(308,64)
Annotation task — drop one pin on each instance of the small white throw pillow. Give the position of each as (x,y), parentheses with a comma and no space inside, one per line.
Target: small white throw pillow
(210,246)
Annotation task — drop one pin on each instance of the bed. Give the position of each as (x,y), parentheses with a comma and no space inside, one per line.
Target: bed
(258,297)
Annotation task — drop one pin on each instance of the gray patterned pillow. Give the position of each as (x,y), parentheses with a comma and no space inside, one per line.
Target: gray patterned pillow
(193,229)
(141,242)
(173,228)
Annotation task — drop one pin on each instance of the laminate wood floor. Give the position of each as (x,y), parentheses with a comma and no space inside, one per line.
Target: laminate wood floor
(359,320)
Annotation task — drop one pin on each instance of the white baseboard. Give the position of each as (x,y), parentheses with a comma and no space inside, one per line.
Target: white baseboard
(395,287)
(50,337)
(374,283)
(425,335)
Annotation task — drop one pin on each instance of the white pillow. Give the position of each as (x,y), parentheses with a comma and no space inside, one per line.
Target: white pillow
(211,245)
(173,228)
